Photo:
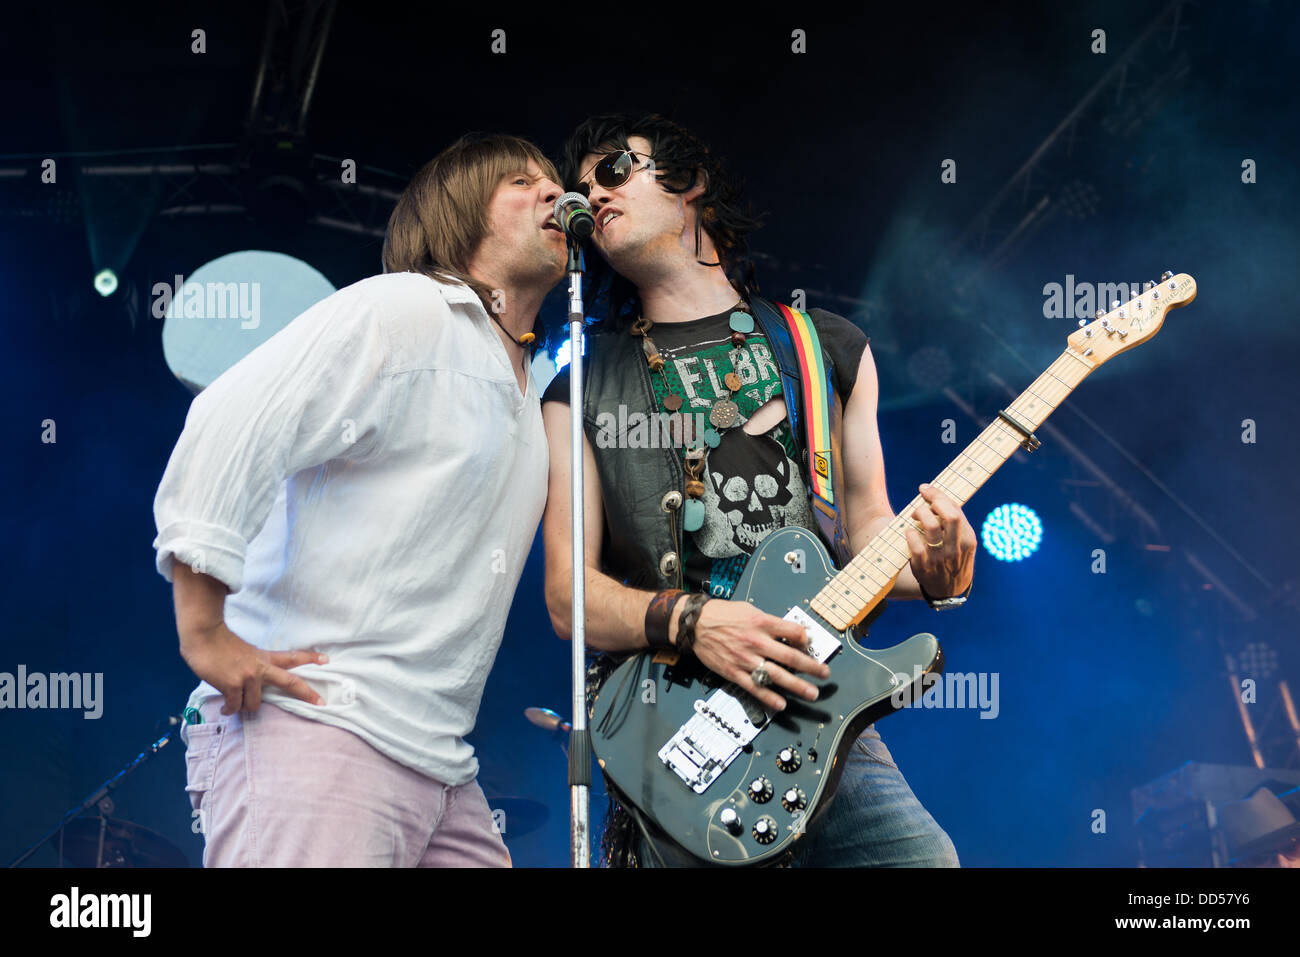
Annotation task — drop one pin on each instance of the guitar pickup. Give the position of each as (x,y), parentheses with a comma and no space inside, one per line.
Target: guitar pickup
(822,645)
(729,719)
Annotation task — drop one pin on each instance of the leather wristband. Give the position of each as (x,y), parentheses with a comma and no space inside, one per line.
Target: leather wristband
(657,617)
(686,621)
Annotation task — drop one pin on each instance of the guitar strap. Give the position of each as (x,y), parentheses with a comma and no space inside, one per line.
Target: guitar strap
(814,411)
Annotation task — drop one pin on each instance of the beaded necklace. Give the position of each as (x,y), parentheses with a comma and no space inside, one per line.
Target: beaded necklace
(724,413)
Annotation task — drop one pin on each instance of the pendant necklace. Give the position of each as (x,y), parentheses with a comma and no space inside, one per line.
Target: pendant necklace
(723,414)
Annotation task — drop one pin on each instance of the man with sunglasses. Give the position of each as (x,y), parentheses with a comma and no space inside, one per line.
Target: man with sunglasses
(671,226)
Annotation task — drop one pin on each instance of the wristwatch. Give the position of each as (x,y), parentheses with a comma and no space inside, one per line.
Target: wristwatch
(943,604)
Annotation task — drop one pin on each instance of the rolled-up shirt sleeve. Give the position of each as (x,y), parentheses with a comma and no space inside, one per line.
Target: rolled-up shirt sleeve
(313,392)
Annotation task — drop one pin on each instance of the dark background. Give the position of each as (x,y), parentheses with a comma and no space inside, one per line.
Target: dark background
(1106,681)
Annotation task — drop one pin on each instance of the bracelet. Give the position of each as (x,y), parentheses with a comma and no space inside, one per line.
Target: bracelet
(686,621)
(657,617)
(943,604)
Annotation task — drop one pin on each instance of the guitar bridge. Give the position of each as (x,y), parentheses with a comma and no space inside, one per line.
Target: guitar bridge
(704,746)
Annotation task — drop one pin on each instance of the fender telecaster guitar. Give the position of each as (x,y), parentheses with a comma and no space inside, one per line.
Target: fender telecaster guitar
(733,784)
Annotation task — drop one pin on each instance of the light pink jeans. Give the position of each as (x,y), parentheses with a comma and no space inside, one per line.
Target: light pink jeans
(275,790)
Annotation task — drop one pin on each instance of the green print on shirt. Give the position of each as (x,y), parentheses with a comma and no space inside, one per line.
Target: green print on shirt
(752,484)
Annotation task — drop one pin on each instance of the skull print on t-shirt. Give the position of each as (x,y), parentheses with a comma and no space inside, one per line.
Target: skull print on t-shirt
(752,487)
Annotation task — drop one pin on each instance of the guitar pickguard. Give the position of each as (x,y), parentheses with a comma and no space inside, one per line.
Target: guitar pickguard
(730,718)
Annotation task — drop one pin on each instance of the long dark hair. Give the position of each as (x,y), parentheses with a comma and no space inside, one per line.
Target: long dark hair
(680,160)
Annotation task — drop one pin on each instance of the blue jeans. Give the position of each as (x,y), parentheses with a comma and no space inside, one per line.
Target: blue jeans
(874,820)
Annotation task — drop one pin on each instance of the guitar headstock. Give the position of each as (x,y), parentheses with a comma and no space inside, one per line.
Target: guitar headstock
(1133,322)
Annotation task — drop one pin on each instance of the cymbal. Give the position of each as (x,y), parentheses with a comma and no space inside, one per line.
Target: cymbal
(125,845)
(546,718)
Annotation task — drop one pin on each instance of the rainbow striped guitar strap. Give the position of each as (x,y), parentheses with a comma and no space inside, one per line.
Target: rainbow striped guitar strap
(820,416)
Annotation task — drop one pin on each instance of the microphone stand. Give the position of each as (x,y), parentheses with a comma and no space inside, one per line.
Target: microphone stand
(100,801)
(579,740)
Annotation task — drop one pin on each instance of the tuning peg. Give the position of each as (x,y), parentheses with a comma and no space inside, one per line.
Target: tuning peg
(1149,284)
(1115,304)
(1099,314)
(1166,275)
(1082,323)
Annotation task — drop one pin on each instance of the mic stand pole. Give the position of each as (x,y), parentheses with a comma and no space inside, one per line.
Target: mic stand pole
(100,800)
(579,742)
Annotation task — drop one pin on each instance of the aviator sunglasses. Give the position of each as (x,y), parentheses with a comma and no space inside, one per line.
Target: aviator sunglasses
(613,170)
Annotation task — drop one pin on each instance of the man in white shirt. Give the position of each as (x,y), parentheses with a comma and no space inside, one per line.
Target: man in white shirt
(345,518)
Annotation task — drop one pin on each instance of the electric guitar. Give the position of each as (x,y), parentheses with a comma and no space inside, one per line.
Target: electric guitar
(730,782)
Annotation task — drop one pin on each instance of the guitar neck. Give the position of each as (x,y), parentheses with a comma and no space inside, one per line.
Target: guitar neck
(864,581)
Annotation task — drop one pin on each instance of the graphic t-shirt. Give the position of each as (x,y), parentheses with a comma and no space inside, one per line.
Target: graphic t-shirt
(752,482)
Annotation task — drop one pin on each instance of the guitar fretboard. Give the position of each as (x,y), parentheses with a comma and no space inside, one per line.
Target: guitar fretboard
(859,586)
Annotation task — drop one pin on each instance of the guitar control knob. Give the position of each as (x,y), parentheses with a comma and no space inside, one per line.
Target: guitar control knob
(764,830)
(730,820)
(760,790)
(788,760)
(794,800)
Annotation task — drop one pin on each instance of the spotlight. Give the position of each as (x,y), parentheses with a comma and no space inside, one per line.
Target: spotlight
(930,367)
(1079,200)
(565,352)
(226,308)
(106,282)
(1258,660)
(1011,532)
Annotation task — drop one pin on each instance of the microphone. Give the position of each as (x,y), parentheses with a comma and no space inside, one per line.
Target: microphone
(573,212)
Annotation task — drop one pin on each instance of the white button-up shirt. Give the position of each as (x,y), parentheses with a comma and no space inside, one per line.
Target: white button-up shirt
(368,483)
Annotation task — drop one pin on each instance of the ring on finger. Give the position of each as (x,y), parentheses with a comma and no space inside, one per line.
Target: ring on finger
(760,675)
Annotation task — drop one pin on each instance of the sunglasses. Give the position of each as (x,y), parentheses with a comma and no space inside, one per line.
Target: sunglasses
(614,170)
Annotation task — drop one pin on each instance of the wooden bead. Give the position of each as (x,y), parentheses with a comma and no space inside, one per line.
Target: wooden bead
(694,488)
(656,362)
(737,339)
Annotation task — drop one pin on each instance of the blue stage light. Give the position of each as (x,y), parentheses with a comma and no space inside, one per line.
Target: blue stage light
(1011,532)
(564,352)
